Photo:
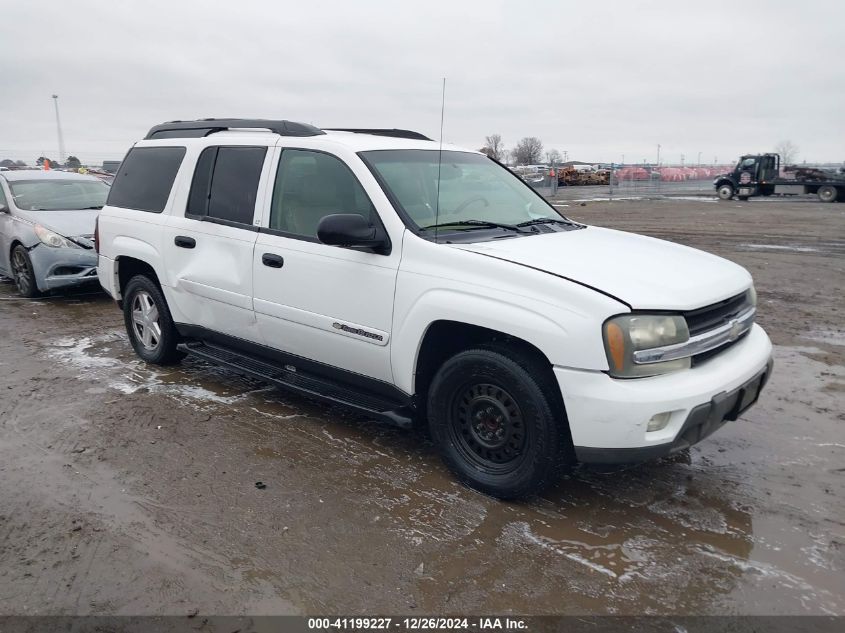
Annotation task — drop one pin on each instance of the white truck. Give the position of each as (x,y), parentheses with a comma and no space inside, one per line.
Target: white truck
(412,282)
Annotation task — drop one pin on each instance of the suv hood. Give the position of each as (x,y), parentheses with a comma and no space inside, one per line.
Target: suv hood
(644,272)
(71,223)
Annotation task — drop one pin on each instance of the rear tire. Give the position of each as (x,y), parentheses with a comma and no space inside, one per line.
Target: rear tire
(828,193)
(726,192)
(23,273)
(494,424)
(148,322)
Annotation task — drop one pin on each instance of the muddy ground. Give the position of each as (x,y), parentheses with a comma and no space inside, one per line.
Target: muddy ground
(128,489)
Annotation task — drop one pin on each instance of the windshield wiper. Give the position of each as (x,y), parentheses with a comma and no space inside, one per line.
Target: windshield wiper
(94,207)
(548,221)
(482,224)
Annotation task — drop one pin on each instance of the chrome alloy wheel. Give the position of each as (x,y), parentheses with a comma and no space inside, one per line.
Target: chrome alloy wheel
(145,320)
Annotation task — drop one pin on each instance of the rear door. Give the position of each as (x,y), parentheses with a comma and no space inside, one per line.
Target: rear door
(324,303)
(208,249)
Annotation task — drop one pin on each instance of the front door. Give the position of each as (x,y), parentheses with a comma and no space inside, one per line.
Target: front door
(747,172)
(324,303)
(208,249)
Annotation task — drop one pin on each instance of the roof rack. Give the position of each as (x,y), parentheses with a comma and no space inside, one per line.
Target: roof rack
(395,133)
(204,127)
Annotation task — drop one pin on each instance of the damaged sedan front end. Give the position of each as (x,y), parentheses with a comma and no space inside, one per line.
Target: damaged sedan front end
(47,229)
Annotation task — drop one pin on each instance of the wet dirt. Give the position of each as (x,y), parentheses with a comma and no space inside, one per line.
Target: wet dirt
(130,489)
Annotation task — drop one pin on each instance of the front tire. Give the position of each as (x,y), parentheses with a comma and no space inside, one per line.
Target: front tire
(726,192)
(148,322)
(23,273)
(494,424)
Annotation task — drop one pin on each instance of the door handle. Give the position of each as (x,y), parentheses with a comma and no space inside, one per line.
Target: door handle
(272,260)
(184,241)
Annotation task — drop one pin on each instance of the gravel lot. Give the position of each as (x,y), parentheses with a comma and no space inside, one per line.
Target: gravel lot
(129,489)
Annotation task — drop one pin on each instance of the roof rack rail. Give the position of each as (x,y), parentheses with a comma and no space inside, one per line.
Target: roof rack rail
(395,133)
(204,127)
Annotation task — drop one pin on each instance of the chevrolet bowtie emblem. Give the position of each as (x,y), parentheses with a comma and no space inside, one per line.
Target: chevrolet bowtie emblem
(736,330)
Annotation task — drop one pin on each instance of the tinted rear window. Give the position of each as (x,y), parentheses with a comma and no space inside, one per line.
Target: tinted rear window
(145,178)
(225,183)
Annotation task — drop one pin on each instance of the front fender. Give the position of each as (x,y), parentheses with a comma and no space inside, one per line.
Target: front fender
(567,338)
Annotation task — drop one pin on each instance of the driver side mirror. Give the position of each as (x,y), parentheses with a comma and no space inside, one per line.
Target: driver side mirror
(351,230)
(4,208)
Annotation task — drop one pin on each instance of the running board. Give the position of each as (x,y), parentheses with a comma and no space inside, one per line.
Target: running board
(298,381)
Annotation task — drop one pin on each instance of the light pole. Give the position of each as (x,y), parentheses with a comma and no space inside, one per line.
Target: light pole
(59,131)
(658,154)
(699,159)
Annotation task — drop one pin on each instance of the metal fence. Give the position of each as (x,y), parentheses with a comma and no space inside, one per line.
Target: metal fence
(628,181)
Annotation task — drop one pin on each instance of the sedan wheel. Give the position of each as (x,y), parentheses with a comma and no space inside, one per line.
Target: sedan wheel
(22,272)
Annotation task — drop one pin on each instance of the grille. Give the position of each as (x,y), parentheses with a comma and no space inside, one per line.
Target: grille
(712,316)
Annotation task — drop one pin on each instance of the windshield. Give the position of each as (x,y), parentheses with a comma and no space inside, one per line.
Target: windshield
(53,195)
(473,189)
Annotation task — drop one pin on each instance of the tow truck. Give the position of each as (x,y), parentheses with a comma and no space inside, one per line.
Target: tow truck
(761,175)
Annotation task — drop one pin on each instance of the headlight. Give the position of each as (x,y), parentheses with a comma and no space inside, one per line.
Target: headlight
(628,333)
(752,296)
(52,239)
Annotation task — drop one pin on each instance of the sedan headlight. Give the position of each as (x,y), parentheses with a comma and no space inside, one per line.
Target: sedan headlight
(53,239)
(629,333)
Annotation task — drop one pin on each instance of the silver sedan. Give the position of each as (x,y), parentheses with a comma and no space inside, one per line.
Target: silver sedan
(47,223)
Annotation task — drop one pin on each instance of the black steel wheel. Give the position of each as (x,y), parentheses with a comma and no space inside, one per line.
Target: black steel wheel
(23,273)
(488,428)
(497,421)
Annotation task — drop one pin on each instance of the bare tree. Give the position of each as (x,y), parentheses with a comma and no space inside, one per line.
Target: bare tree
(529,151)
(494,147)
(553,157)
(788,152)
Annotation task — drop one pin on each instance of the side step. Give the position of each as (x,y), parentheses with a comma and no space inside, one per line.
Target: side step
(300,382)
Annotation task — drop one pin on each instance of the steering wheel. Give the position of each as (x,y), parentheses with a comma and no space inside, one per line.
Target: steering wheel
(469,201)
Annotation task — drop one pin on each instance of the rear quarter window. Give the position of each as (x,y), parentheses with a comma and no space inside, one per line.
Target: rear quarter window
(145,178)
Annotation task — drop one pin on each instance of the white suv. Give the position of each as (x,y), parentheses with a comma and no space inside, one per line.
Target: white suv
(373,269)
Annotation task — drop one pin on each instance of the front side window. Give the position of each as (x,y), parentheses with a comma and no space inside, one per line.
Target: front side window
(311,185)
(145,178)
(225,183)
(462,187)
(57,194)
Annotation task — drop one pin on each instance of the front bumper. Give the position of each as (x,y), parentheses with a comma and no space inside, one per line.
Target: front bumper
(608,417)
(62,267)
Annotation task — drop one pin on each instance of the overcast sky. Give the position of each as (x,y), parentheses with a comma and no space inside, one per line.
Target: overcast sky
(598,80)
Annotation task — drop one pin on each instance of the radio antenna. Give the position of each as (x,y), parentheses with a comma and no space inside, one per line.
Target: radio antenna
(439,159)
